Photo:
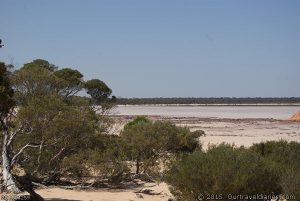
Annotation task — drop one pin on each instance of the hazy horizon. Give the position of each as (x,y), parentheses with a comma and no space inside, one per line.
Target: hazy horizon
(215,97)
(150,49)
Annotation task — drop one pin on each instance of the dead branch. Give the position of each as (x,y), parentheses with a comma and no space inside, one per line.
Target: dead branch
(148,192)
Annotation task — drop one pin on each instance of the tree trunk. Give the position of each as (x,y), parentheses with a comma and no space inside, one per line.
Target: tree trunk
(137,165)
(27,185)
(8,180)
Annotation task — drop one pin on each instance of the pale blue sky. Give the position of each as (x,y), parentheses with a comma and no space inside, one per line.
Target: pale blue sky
(163,48)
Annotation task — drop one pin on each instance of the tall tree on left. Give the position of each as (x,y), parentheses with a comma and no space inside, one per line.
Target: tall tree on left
(1,43)
(7,109)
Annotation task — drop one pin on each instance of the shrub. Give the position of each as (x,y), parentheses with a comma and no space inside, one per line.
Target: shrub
(105,160)
(145,142)
(284,158)
(224,170)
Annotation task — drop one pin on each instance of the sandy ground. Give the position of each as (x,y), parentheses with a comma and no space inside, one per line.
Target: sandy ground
(57,194)
(245,133)
(160,192)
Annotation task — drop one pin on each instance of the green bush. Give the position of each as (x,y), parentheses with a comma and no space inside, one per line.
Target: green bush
(283,152)
(145,142)
(284,158)
(103,159)
(224,170)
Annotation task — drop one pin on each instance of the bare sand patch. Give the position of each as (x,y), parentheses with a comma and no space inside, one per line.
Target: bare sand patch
(59,194)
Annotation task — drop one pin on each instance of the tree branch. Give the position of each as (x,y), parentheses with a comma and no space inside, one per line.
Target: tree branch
(57,155)
(13,135)
(12,113)
(3,124)
(39,158)
(21,151)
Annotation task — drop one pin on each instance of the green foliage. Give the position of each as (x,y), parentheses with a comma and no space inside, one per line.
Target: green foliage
(39,78)
(98,91)
(75,166)
(72,136)
(59,124)
(222,170)
(138,142)
(62,129)
(103,158)
(136,121)
(7,101)
(284,158)
(70,81)
(145,142)
(6,91)
(32,80)
(41,63)
(284,152)
(110,164)
(79,101)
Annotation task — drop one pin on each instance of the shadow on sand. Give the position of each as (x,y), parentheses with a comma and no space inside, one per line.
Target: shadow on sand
(57,199)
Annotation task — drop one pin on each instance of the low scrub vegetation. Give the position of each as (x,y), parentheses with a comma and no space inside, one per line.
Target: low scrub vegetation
(284,158)
(270,168)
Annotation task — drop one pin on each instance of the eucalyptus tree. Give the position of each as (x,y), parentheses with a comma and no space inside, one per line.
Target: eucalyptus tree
(43,121)
(58,129)
(145,142)
(7,105)
(100,94)
(70,81)
(33,80)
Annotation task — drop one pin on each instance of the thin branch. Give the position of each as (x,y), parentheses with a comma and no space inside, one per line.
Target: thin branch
(13,135)
(16,132)
(39,158)
(57,155)
(12,113)
(21,151)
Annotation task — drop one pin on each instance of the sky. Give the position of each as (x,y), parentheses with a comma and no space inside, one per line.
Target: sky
(162,48)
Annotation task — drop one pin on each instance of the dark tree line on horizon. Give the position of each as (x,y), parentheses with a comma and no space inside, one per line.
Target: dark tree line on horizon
(219,100)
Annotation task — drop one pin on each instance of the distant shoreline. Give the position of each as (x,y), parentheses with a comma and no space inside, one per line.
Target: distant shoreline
(217,101)
(209,105)
(209,111)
